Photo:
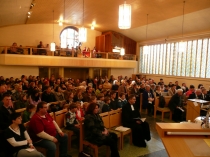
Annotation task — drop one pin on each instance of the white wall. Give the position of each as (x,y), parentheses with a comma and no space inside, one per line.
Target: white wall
(17,71)
(124,72)
(32,34)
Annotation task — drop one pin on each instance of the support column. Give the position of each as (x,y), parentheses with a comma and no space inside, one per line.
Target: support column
(61,71)
(49,72)
(91,72)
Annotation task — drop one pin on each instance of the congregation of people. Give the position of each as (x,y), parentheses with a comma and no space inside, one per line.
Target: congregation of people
(84,100)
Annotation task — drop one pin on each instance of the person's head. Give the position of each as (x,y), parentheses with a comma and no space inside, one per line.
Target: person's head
(85,105)
(179,92)
(107,100)
(147,88)
(48,89)
(166,87)
(93,99)
(131,99)
(142,85)
(78,103)
(73,107)
(7,100)
(100,86)
(122,96)
(198,91)
(92,108)
(204,91)
(192,88)
(57,89)
(16,118)
(2,89)
(69,87)
(113,94)
(89,89)
(199,86)
(184,84)
(176,83)
(173,86)
(100,96)
(30,108)
(41,108)
(71,95)
(158,87)
(23,97)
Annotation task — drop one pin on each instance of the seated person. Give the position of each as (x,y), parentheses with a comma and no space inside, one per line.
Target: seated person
(190,91)
(122,100)
(14,48)
(95,131)
(59,96)
(172,90)
(176,106)
(196,95)
(148,100)
(45,132)
(106,107)
(100,101)
(71,122)
(21,103)
(41,51)
(113,104)
(49,97)
(5,110)
(17,93)
(35,98)
(131,119)
(157,92)
(18,139)
(79,112)
(28,113)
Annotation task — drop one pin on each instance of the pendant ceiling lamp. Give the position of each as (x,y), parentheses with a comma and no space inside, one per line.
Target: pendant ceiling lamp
(52,45)
(182,45)
(83,30)
(124,16)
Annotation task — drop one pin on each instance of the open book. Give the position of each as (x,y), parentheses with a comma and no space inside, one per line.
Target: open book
(121,128)
(141,119)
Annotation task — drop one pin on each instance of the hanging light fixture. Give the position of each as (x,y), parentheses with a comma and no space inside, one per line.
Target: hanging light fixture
(83,30)
(52,45)
(124,16)
(182,45)
(145,48)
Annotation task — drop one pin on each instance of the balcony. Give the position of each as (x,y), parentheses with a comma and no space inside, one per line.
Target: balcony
(31,56)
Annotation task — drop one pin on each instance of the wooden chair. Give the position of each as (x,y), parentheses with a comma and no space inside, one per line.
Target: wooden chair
(162,110)
(59,118)
(86,143)
(41,149)
(105,117)
(115,117)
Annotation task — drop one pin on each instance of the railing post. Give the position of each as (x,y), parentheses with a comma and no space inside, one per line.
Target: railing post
(5,50)
(107,55)
(31,51)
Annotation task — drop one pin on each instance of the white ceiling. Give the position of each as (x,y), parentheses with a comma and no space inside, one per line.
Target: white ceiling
(164,16)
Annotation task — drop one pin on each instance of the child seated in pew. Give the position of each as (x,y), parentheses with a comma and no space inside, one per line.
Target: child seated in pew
(106,107)
(84,107)
(100,102)
(79,112)
(121,100)
(71,121)
(28,113)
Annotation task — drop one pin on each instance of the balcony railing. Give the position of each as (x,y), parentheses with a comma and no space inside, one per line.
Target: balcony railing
(30,50)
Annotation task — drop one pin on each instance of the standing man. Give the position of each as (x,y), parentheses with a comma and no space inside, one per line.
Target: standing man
(45,132)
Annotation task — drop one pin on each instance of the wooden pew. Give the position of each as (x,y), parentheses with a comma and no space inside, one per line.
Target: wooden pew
(162,110)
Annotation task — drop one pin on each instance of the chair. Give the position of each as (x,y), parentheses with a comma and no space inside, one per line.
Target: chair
(162,110)
(86,143)
(105,117)
(40,149)
(59,118)
(115,120)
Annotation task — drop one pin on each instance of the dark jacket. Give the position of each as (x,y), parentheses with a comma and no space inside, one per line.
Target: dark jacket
(5,119)
(145,98)
(106,108)
(175,101)
(193,96)
(93,127)
(128,115)
(113,104)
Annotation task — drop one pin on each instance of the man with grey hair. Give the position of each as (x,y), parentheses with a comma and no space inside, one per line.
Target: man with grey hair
(196,95)
(176,106)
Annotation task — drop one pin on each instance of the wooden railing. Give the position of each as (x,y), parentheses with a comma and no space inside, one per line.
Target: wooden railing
(30,50)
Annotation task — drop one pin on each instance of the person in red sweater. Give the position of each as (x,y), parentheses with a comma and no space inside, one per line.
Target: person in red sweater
(45,132)
(79,112)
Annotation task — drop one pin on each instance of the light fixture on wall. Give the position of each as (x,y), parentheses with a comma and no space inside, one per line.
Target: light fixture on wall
(83,30)
(52,45)
(145,48)
(124,16)
(182,45)
(122,51)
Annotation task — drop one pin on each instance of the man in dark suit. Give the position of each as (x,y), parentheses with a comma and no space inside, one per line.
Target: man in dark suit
(148,100)
(131,119)
(176,106)
(196,95)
